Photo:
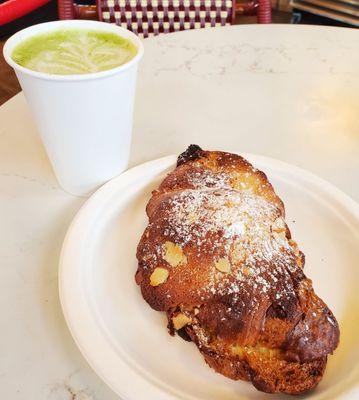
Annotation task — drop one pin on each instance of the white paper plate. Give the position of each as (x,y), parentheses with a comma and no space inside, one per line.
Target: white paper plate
(127,343)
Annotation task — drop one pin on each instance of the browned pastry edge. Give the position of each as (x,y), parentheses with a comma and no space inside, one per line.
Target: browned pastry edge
(193,152)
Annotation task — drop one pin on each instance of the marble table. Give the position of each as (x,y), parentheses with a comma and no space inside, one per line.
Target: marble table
(289,92)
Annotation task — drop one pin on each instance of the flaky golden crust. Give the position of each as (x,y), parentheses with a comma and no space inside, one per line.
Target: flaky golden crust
(218,258)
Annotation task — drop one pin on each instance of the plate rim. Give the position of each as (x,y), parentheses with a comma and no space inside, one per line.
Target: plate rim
(152,388)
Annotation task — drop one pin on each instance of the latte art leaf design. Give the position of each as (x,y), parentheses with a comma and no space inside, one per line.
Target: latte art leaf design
(68,52)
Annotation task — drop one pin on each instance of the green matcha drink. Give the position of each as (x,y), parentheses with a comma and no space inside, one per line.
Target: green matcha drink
(73,51)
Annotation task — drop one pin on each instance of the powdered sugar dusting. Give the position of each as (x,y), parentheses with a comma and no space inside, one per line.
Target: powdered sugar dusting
(236,221)
(194,213)
(207,179)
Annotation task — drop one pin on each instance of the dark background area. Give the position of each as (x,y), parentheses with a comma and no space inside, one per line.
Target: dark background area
(43,14)
(46,13)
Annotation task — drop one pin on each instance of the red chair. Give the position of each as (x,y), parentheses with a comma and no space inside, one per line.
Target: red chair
(152,17)
(13,9)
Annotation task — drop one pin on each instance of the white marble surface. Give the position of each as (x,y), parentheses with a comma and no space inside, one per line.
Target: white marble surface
(290,92)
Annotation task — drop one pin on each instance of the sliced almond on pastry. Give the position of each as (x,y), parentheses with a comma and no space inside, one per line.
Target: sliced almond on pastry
(174,254)
(223,265)
(279,229)
(158,276)
(180,320)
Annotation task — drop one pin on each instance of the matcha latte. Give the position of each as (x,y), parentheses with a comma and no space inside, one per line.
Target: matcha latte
(73,51)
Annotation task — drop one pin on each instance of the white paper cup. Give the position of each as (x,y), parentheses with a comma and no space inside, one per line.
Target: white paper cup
(85,121)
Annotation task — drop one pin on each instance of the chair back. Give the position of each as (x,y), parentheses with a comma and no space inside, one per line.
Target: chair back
(152,17)
(146,18)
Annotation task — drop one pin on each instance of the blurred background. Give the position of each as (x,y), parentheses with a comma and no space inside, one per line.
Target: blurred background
(318,12)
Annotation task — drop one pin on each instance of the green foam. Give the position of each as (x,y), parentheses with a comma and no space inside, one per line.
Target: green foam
(70,51)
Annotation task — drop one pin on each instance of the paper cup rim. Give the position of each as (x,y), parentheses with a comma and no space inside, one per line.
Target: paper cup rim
(77,24)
